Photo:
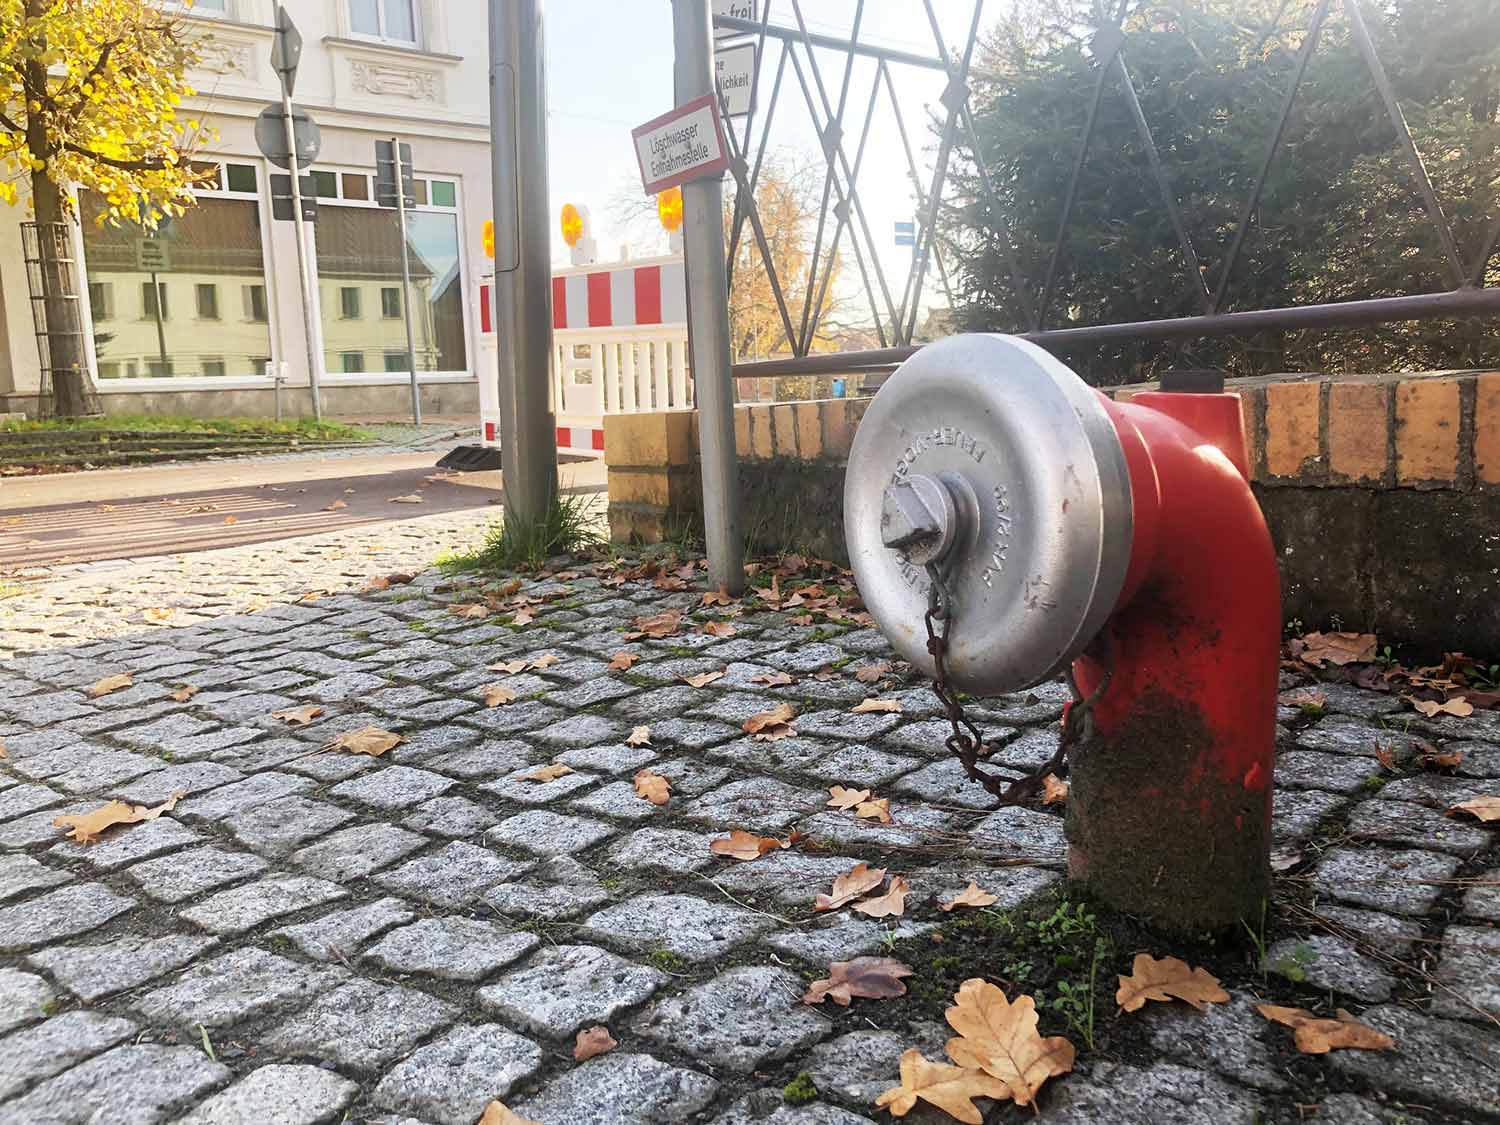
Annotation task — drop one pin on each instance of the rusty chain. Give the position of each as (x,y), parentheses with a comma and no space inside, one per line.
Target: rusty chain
(967,741)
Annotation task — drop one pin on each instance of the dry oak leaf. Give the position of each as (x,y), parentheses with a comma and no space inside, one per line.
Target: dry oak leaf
(1151,979)
(703,679)
(868,705)
(1446,760)
(85,827)
(1054,789)
(546,773)
(841,798)
(298,716)
(659,626)
(858,880)
(719,629)
(743,845)
(159,613)
(1385,754)
(496,1113)
(367,740)
(621,661)
(593,1041)
(1000,1038)
(893,902)
(871,673)
(523,617)
(469,609)
(971,895)
(950,1088)
(509,667)
(718,597)
(109,684)
(639,736)
(545,661)
(1457,706)
(336,506)
(1484,808)
(496,694)
(878,809)
(184,692)
(652,787)
(773,679)
(1337,648)
(231,519)
(868,978)
(778,716)
(1317,1035)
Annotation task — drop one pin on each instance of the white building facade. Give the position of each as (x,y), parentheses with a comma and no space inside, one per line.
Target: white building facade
(207,318)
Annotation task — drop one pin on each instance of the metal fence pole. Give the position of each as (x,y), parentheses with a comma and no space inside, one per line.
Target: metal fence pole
(304,266)
(411,351)
(708,314)
(523,258)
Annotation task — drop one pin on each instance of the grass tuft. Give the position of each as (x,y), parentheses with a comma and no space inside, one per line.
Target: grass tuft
(571,525)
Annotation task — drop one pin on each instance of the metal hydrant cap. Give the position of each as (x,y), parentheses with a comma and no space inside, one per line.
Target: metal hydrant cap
(985,456)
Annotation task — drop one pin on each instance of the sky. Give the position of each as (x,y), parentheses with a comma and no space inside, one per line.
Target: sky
(609,69)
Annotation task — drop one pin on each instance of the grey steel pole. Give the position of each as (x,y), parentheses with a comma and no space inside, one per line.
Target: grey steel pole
(708,314)
(304,271)
(523,258)
(411,351)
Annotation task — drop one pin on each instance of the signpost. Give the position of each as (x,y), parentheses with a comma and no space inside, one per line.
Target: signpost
(906,234)
(738,9)
(395,186)
(734,68)
(680,146)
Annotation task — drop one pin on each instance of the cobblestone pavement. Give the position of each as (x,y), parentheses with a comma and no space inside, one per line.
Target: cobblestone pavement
(316,936)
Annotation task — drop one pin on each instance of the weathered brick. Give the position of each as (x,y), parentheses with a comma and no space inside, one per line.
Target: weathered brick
(1291,427)
(742,430)
(660,438)
(761,446)
(1426,431)
(784,427)
(838,433)
(1487,428)
(1357,430)
(809,431)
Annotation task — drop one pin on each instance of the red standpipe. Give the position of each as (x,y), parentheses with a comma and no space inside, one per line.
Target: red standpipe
(1169,814)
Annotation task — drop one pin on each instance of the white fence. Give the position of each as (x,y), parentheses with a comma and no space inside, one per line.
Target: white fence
(599,371)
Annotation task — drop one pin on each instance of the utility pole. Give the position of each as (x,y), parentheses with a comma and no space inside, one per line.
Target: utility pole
(708,313)
(523,258)
(411,351)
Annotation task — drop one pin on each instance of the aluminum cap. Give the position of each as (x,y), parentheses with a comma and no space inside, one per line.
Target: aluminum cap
(985,456)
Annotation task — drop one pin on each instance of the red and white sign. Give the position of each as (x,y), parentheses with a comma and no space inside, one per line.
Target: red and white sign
(685,144)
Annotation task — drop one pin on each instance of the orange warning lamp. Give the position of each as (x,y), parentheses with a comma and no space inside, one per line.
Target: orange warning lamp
(489,238)
(669,208)
(574,222)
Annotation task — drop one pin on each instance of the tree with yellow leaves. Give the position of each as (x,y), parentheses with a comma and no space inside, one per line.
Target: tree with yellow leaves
(91,90)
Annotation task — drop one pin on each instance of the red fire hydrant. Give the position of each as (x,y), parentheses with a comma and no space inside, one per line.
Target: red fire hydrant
(1060,526)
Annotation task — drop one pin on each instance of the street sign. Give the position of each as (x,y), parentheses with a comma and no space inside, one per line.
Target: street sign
(270,136)
(734,68)
(906,234)
(740,10)
(152,256)
(385,176)
(281,198)
(286,49)
(685,144)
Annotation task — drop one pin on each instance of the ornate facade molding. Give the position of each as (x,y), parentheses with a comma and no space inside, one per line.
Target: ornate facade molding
(383,79)
(217,56)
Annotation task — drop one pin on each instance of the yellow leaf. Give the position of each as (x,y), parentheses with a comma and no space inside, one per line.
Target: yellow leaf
(509,667)
(892,903)
(858,880)
(969,896)
(652,787)
(841,798)
(471,610)
(1317,1035)
(639,736)
(950,1088)
(1000,1038)
(184,693)
(496,694)
(1484,808)
(884,705)
(703,679)
(159,613)
(109,684)
(546,773)
(1054,790)
(496,1113)
(367,740)
(85,827)
(874,810)
(1151,979)
(298,716)
(1458,706)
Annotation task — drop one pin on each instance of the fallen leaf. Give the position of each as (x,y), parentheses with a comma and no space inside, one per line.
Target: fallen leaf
(545,661)
(868,705)
(893,902)
(522,617)
(109,684)
(718,597)
(496,1113)
(593,1041)
(1445,760)
(1458,706)
(950,1088)
(546,773)
(409,498)
(659,626)
(376,584)
(299,716)
(159,613)
(335,506)
(85,827)
(1317,1035)
(719,629)
(779,715)
(801,619)
(1310,698)
(1000,1038)
(621,661)
(872,673)
(703,679)
(231,519)
(858,880)
(969,896)
(772,679)
(184,693)
(1485,808)
(1054,790)
(1151,979)
(367,740)
(879,809)
(841,798)
(3,751)
(509,667)
(743,845)
(1385,754)
(639,736)
(471,610)
(866,978)
(652,787)
(496,694)
(1337,648)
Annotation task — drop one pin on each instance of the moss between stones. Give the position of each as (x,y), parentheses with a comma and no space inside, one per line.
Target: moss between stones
(800,1090)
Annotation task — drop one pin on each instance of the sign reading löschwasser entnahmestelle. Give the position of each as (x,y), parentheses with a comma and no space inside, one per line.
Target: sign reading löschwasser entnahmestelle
(685,144)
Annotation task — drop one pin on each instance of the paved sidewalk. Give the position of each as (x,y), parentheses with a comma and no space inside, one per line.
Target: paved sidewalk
(320,936)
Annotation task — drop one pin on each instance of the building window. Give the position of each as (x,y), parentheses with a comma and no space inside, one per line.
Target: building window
(349,302)
(395,361)
(154,301)
(260,364)
(444,194)
(391,20)
(241,177)
(216,252)
(255,302)
(325,184)
(353,362)
(390,302)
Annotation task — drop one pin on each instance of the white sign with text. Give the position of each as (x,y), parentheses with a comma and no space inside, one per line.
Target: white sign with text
(734,68)
(685,144)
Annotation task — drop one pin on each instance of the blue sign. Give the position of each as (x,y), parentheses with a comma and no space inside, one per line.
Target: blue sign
(906,234)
